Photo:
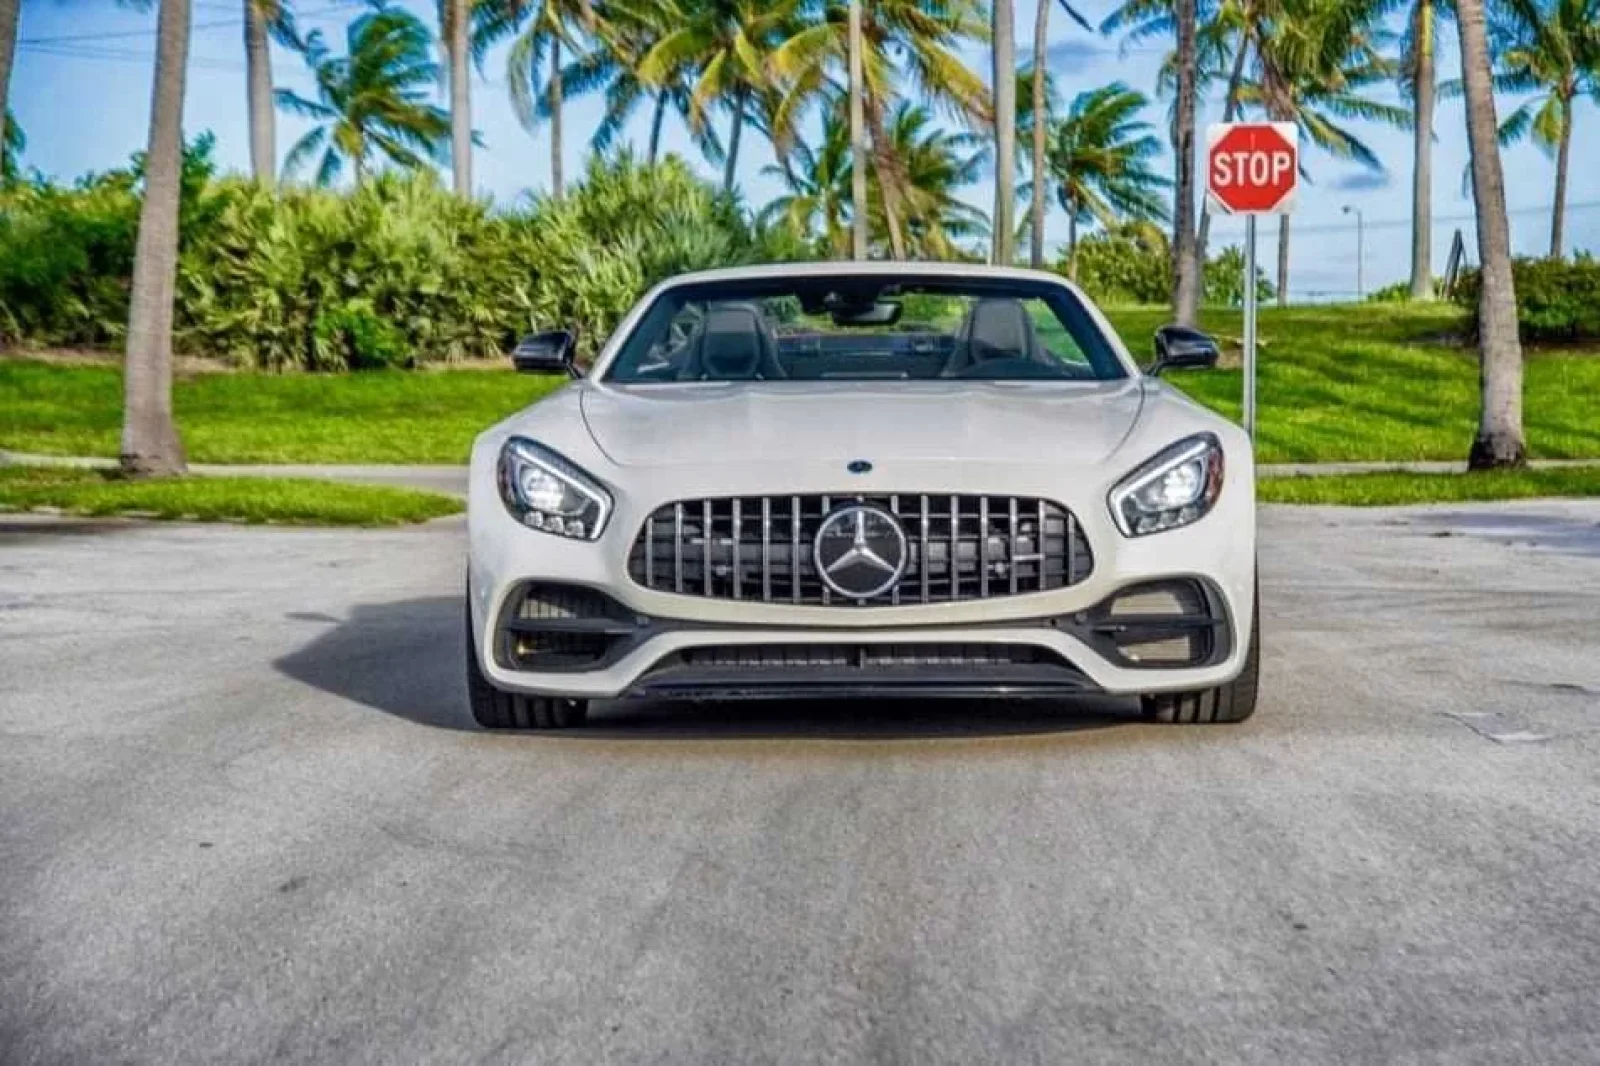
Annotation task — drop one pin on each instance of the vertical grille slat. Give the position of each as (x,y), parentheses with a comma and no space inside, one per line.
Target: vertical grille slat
(738,552)
(959,548)
(766,548)
(923,562)
(983,547)
(677,547)
(1012,542)
(794,548)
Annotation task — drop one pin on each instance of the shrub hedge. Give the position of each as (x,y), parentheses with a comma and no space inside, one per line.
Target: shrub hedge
(396,272)
(1557,299)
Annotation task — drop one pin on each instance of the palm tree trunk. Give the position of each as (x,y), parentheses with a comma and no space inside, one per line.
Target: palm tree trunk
(258,78)
(1005,131)
(1041,30)
(1072,245)
(456,47)
(10,11)
(1283,260)
(1558,214)
(859,222)
(1185,268)
(150,445)
(1230,111)
(1422,94)
(1499,442)
(883,164)
(730,166)
(556,184)
(655,126)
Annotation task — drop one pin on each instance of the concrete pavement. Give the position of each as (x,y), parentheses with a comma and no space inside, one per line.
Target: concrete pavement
(244,817)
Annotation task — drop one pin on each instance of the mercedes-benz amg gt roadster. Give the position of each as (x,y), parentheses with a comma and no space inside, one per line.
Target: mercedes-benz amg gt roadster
(861,480)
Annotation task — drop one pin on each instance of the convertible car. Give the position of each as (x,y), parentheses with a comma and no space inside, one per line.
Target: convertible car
(861,479)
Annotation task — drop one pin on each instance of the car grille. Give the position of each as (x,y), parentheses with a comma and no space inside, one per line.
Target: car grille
(759,548)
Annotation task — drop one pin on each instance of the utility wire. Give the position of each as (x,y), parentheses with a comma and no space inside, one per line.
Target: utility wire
(237,21)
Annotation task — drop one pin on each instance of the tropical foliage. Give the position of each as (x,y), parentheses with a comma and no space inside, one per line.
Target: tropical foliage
(372,102)
(1132,264)
(396,271)
(1550,48)
(12,143)
(1099,163)
(1557,300)
(911,49)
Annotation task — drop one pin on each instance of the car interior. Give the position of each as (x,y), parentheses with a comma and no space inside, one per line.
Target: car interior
(979,337)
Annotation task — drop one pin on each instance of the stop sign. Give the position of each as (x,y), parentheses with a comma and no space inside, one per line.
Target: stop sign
(1251,167)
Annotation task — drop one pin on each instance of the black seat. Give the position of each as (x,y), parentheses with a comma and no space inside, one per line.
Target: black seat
(993,329)
(735,344)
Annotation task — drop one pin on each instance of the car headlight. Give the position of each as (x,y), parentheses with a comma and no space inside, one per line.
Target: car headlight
(546,491)
(1175,487)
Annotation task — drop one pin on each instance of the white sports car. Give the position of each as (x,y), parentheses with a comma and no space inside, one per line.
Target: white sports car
(862,479)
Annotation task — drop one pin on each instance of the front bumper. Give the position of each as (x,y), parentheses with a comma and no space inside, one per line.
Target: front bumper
(668,636)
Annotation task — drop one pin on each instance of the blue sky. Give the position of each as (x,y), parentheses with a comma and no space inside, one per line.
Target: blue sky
(81,89)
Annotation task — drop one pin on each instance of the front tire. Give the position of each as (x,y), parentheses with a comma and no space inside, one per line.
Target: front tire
(494,709)
(1232,702)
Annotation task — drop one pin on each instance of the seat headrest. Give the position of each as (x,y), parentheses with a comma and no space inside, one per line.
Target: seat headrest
(732,344)
(1000,328)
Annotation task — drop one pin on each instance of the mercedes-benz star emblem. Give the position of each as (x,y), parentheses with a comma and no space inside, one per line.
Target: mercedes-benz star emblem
(860,550)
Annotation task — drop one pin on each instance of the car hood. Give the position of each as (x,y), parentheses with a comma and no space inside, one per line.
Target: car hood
(1071,423)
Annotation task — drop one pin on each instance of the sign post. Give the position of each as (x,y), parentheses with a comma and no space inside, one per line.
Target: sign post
(1252,169)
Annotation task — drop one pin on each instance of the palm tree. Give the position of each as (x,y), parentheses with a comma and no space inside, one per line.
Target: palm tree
(1039,109)
(371,102)
(1004,52)
(1185,257)
(855,88)
(263,21)
(12,143)
(818,204)
(542,29)
(1226,38)
(610,66)
(10,12)
(1551,47)
(1099,165)
(910,48)
(937,165)
(1499,442)
(1313,68)
(150,445)
(455,17)
(721,48)
(1418,64)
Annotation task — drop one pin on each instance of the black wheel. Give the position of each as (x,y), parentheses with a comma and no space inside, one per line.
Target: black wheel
(1233,702)
(495,709)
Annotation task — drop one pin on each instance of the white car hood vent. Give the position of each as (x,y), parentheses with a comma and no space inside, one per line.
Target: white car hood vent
(685,423)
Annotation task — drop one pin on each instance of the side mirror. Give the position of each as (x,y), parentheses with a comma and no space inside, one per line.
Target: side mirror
(550,352)
(1182,348)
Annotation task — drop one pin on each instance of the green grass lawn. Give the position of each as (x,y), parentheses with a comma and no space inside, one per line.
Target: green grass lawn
(1366,382)
(1378,490)
(290,501)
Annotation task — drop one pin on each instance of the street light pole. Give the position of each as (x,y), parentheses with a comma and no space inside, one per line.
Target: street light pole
(1361,254)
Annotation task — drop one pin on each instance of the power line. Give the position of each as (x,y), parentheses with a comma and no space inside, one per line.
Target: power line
(113,35)
(114,55)
(195,27)
(1394,223)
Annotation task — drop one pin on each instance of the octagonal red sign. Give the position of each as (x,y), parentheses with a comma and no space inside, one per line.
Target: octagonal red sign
(1252,167)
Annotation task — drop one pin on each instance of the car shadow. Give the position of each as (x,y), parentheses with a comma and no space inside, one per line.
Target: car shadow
(407,659)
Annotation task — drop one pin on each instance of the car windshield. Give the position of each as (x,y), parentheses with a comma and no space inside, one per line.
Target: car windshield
(866,328)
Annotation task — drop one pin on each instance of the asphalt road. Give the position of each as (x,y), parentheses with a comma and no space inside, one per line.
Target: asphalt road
(244,817)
